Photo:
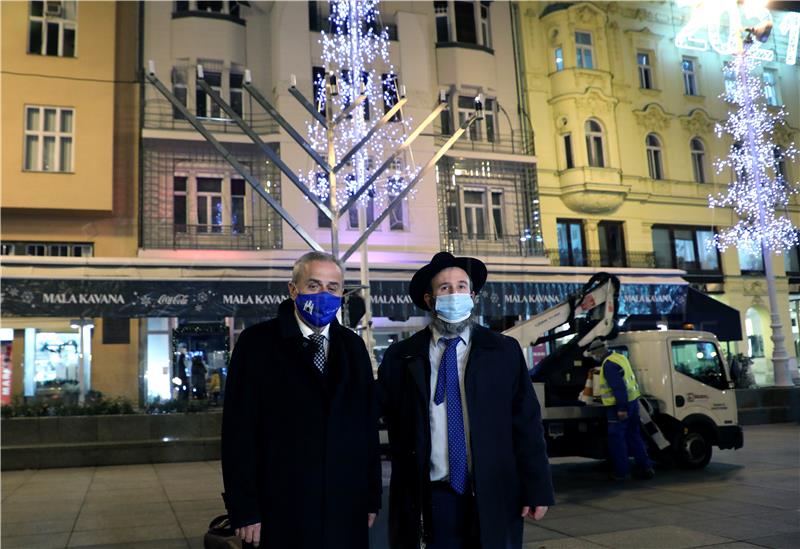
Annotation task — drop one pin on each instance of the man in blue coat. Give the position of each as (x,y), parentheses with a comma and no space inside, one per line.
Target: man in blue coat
(465,430)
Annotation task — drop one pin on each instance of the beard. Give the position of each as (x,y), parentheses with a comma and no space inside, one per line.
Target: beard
(451,329)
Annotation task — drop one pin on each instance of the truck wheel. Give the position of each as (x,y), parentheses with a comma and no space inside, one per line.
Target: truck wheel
(693,450)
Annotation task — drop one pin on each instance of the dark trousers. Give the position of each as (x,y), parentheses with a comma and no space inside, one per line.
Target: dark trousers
(454,519)
(625,438)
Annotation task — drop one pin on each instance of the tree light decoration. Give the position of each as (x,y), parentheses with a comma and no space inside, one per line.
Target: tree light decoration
(759,188)
(356,52)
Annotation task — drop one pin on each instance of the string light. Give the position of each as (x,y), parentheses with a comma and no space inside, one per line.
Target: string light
(354,51)
(759,189)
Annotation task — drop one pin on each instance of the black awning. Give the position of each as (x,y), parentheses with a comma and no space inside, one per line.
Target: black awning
(709,315)
(704,312)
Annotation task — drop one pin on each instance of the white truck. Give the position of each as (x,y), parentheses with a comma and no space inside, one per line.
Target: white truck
(683,376)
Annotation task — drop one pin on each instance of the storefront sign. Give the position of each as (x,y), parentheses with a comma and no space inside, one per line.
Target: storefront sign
(221,298)
(5,373)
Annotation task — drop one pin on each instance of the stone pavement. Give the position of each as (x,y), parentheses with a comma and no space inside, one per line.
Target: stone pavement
(746,498)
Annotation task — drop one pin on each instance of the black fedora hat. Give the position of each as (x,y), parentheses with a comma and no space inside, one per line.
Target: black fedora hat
(421,281)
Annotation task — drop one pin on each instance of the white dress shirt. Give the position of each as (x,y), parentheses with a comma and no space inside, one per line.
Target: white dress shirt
(440,464)
(306,330)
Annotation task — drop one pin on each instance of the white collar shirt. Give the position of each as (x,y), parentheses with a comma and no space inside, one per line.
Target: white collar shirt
(440,464)
(306,330)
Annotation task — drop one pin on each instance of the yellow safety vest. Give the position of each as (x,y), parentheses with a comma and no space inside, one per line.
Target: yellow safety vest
(606,394)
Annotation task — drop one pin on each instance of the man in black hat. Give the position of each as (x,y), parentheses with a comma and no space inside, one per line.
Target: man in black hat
(465,429)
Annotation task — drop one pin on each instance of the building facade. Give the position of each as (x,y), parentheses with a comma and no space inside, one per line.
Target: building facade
(625,97)
(70,121)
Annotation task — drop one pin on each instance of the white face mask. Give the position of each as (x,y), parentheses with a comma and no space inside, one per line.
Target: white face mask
(454,308)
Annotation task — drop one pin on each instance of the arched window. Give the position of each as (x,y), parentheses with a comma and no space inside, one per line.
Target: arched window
(594,143)
(698,160)
(654,161)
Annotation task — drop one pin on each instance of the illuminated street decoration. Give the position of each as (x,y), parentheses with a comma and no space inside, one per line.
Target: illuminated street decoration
(356,52)
(759,189)
(714,24)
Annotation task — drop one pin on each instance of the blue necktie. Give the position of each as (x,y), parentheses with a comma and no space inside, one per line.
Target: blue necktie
(447,382)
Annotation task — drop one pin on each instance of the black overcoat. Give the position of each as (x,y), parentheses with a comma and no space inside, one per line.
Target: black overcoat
(509,460)
(299,448)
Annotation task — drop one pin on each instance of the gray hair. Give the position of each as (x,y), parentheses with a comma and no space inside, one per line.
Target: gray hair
(300,265)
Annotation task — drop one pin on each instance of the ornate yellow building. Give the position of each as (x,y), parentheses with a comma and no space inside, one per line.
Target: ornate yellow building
(624,131)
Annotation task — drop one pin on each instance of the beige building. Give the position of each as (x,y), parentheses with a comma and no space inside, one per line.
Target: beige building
(69,194)
(625,144)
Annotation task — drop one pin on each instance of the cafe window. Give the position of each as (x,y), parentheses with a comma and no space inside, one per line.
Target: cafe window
(612,244)
(751,261)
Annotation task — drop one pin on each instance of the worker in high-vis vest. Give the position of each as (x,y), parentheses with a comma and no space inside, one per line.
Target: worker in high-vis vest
(619,392)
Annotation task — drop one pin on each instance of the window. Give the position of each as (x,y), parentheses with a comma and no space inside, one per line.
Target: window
(475,213)
(645,70)
(472,22)
(594,143)
(466,108)
(237,205)
(489,119)
(442,22)
(211,7)
(179,204)
(397,217)
(654,161)
(235,80)
(318,81)
(390,94)
(699,360)
(318,16)
(179,89)
(54,249)
(369,207)
(559,58)
(568,151)
(486,31)
(206,107)
(698,160)
(209,205)
(751,261)
(583,48)
(52,28)
(771,88)
(466,32)
(571,250)
(497,214)
(791,260)
(688,248)
(48,139)
(780,164)
(730,81)
(612,244)
(688,66)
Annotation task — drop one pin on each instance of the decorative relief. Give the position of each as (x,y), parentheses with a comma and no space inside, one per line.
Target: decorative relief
(593,202)
(653,117)
(698,122)
(593,101)
(588,15)
(783,134)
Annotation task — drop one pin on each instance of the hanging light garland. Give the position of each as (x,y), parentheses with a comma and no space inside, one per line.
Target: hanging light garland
(759,189)
(354,50)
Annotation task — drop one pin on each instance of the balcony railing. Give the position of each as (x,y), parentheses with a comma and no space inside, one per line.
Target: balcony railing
(159,115)
(599,258)
(508,245)
(500,143)
(212,237)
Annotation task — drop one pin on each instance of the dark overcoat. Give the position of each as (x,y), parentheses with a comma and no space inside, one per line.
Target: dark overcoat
(299,448)
(509,460)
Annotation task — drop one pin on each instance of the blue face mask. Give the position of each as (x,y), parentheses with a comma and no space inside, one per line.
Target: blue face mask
(318,309)
(454,307)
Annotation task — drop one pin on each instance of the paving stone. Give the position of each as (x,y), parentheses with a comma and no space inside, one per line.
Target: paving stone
(657,537)
(561,543)
(129,535)
(788,540)
(39,541)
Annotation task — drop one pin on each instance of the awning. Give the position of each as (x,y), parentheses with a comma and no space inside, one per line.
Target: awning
(705,313)
(204,297)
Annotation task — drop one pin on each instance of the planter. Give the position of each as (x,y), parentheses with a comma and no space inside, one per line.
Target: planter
(78,441)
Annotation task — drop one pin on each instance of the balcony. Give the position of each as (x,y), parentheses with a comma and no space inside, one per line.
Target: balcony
(504,245)
(504,143)
(602,258)
(159,115)
(212,237)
